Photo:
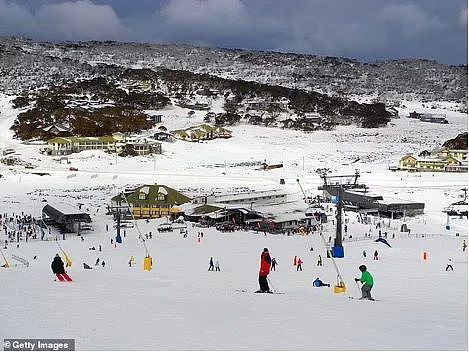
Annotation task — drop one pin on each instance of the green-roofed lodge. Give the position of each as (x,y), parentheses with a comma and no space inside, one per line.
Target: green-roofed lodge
(151,201)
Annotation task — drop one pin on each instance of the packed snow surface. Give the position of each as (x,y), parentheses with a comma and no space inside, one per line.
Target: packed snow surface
(180,305)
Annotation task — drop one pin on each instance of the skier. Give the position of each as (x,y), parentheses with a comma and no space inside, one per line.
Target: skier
(298,266)
(464,245)
(217,265)
(274,263)
(449,265)
(103,264)
(210,268)
(375,257)
(318,283)
(319,260)
(367,281)
(264,272)
(57,265)
(97,262)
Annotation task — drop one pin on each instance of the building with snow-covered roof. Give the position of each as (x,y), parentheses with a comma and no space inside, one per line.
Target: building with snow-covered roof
(68,145)
(441,160)
(151,201)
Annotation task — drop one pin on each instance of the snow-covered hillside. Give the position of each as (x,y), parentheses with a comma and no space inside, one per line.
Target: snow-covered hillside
(33,64)
(179,305)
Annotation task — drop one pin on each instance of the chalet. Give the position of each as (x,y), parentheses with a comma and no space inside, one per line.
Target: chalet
(142,148)
(442,160)
(163,136)
(68,145)
(434,118)
(430,118)
(56,129)
(151,201)
(202,132)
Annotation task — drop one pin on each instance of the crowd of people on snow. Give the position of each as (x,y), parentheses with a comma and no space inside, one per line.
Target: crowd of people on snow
(19,227)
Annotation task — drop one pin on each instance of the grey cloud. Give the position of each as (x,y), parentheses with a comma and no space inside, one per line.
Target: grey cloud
(362,29)
(79,20)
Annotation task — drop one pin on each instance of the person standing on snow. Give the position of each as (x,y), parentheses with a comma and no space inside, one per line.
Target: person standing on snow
(375,257)
(298,264)
(449,265)
(319,260)
(294,260)
(217,265)
(367,281)
(57,265)
(210,265)
(464,245)
(274,263)
(364,253)
(264,272)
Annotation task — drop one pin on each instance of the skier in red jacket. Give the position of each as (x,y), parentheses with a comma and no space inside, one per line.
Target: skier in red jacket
(264,271)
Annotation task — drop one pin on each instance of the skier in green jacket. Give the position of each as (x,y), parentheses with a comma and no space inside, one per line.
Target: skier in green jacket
(367,281)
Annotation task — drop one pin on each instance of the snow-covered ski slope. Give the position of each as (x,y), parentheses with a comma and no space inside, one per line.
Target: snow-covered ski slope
(182,306)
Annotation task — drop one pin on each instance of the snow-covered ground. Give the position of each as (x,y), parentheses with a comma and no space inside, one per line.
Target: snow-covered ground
(180,305)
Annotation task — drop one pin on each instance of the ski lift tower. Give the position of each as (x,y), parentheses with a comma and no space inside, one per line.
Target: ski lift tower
(335,186)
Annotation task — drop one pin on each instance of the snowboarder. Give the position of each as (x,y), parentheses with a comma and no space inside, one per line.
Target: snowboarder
(364,253)
(464,245)
(449,265)
(217,265)
(57,265)
(319,260)
(318,283)
(375,255)
(210,267)
(274,263)
(264,271)
(298,266)
(367,281)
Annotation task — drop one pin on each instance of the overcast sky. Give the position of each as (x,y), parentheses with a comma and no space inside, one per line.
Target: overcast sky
(362,29)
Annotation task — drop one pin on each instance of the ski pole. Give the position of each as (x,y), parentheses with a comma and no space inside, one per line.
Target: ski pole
(359,290)
(271,284)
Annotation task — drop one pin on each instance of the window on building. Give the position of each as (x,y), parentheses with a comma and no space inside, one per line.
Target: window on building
(141,196)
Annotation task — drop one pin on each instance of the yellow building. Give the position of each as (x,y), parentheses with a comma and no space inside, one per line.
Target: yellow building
(440,161)
(151,201)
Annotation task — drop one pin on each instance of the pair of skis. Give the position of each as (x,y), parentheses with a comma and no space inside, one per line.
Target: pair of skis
(372,300)
(258,292)
(63,277)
